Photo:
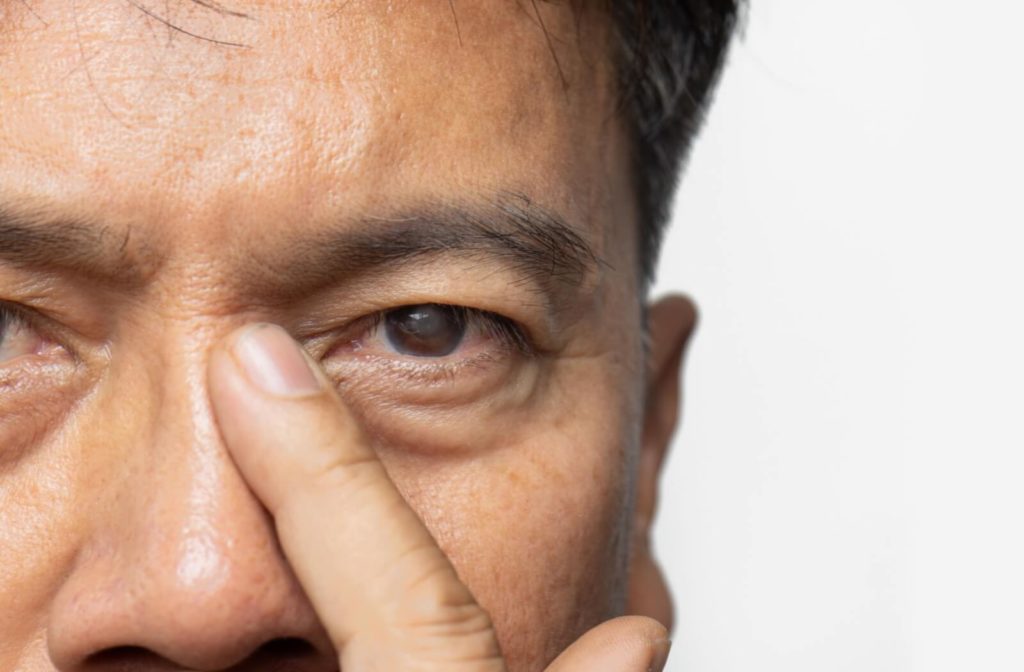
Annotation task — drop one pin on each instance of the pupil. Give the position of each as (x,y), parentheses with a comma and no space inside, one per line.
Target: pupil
(428,330)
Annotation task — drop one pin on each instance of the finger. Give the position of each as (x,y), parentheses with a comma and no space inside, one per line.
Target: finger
(626,644)
(386,594)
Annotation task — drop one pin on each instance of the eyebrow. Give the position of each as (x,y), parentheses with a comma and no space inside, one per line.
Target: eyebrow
(38,238)
(537,244)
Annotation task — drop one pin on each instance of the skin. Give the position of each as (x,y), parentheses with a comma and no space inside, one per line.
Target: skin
(158,511)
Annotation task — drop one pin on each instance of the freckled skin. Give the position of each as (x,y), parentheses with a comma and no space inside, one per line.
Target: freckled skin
(120,511)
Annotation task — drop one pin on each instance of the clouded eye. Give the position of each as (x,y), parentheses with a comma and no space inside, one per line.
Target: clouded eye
(427,330)
(17,337)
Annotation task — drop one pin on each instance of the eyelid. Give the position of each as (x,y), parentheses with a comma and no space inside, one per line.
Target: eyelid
(12,322)
(355,353)
(506,331)
(14,314)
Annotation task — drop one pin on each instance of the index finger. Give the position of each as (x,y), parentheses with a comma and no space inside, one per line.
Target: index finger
(383,589)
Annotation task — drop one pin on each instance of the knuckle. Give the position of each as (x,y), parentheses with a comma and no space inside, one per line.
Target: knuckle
(341,473)
(438,618)
(452,634)
(341,480)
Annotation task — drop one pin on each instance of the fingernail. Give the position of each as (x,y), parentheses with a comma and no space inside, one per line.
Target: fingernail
(660,656)
(273,361)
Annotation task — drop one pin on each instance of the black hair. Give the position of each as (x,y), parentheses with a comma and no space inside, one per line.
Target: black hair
(671,54)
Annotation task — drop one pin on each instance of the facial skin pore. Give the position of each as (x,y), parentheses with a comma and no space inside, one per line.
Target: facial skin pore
(200,172)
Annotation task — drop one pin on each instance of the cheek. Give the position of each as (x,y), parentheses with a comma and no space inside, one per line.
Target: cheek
(536,530)
(41,520)
(33,400)
(536,517)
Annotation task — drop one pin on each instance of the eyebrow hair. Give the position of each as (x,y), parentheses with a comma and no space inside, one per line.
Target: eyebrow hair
(34,237)
(537,244)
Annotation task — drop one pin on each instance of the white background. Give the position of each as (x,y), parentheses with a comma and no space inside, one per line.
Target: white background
(847,491)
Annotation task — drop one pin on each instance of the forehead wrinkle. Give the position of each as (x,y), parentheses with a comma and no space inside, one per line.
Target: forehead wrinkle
(388,153)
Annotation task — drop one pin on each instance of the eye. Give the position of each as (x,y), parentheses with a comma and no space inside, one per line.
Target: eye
(17,337)
(436,331)
(431,353)
(428,330)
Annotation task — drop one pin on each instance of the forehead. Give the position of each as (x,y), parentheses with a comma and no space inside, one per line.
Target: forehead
(173,111)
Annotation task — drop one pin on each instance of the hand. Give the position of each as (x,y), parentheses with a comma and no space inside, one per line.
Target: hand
(384,591)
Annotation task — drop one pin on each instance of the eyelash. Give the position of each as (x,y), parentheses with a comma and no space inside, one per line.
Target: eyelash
(508,333)
(11,316)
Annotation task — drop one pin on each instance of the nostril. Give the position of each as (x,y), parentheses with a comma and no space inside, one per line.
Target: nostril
(287,654)
(273,655)
(285,648)
(126,658)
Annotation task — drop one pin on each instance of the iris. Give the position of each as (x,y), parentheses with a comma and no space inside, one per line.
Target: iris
(426,330)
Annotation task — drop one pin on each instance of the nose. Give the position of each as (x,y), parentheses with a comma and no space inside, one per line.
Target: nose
(181,568)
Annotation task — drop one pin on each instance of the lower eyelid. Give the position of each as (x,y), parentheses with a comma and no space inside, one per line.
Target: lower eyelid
(35,376)
(448,364)
(395,376)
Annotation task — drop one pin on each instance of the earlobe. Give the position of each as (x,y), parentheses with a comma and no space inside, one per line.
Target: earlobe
(671,322)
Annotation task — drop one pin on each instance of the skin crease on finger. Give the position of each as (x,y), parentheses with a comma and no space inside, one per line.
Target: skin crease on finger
(128,539)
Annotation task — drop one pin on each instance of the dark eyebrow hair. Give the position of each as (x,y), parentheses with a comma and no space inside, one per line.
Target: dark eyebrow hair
(35,237)
(538,245)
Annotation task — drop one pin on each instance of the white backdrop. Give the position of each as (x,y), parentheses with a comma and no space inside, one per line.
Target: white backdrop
(848,486)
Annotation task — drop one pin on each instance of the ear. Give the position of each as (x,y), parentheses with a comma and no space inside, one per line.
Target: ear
(671,321)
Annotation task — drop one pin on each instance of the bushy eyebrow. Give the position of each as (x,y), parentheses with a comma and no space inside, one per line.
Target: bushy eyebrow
(38,238)
(538,245)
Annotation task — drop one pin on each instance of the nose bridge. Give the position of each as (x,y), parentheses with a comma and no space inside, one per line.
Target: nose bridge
(200,516)
(186,563)
(197,510)
(197,498)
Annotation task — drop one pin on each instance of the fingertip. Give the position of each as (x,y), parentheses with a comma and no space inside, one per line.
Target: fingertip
(659,657)
(274,362)
(655,636)
(624,644)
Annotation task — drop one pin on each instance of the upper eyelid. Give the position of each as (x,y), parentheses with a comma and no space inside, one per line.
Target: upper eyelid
(50,328)
(370,324)
(511,332)
(12,313)
(33,319)
(18,316)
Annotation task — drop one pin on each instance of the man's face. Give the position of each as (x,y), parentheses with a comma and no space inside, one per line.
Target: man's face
(169,172)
